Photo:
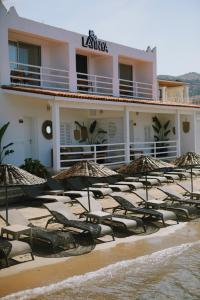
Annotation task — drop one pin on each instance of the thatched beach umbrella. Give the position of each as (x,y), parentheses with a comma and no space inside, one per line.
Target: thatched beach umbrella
(144,165)
(190,159)
(12,176)
(86,169)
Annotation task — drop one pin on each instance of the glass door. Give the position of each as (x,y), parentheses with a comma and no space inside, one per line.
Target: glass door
(82,71)
(126,80)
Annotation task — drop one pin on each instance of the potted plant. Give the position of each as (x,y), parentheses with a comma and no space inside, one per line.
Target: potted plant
(4,150)
(161,133)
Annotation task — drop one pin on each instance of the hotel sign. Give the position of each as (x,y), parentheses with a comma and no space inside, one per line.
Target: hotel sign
(93,43)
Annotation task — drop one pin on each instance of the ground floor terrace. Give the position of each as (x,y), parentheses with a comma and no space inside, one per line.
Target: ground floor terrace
(60,131)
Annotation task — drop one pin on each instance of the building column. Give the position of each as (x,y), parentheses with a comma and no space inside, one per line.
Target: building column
(4,56)
(127,134)
(186,93)
(115,76)
(164,96)
(72,69)
(178,133)
(56,136)
(194,117)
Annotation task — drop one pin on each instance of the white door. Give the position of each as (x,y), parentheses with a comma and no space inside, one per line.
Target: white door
(28,137)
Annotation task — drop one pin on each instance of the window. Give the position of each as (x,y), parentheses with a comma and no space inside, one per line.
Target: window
(25,62)
(65,133)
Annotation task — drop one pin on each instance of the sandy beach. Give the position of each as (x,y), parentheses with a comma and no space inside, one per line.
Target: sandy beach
(44,270)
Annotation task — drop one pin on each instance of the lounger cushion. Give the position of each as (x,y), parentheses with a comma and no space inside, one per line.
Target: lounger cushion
(19,248)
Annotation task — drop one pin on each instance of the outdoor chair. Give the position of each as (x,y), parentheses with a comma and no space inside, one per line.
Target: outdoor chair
(100,192)
(182,174)
(97,210)
(62,215)
(161,179)
(177,197)
(10,249)
(114,187)
(150,181)
(170,177)
(37,193)
(187,190)
(55,238)
(156,203)
(127,206)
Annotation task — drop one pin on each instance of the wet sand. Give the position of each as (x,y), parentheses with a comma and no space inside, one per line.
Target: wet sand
(44,272)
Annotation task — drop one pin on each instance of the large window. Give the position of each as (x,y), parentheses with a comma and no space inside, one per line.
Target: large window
(25,62)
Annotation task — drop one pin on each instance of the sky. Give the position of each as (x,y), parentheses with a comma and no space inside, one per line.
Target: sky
(173,26)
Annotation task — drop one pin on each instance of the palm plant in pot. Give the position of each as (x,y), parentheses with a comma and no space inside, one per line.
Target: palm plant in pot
(161,133)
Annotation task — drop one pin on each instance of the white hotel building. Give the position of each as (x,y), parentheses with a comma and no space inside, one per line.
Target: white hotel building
(54,77)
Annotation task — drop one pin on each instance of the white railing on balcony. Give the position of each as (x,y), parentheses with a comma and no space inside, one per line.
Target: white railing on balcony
(134,89)
(32,75)
(115,154)
(108,154)
(161,149)
(94,84)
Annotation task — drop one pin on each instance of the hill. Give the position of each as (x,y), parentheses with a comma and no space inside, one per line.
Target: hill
(192,78)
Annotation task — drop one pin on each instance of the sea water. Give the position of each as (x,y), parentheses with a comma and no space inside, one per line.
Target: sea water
(173,273)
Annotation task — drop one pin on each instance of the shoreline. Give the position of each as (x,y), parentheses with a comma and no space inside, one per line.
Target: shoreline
(43,272)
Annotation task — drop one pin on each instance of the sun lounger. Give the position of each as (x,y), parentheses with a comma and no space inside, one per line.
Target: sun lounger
(177,197)
(155,203)
(55,238)
(115,187)
(170,177)
(75,194)
(161,179)
(10,249)
(182,175)
(62,215)
(187,189)
(36,193)
(194,172)
(100,192)
(133,185)
(127,206)
(150,181)
(97,210)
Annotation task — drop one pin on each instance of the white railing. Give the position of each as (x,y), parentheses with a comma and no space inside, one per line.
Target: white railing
(161,149)
(132,89)
(107,154)
(32,75)
(115,154)
(94,84)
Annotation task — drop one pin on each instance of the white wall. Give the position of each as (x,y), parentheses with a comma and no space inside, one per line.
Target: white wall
(16,108)
(187,139)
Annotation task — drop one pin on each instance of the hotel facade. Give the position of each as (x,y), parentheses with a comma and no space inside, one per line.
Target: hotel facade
(70,97)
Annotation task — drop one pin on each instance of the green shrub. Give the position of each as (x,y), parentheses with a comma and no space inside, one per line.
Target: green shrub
(35,167)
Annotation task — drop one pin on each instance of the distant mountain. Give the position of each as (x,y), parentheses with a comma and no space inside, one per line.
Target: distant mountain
(192,78)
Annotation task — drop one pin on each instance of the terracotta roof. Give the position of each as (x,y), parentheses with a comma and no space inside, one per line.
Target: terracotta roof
(78,96)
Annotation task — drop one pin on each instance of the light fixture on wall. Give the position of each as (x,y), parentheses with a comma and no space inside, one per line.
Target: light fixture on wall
(21,121)
(101,112)
(137,113)
(48,107)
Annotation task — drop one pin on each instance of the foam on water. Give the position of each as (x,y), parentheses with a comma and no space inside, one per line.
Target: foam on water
(76,281)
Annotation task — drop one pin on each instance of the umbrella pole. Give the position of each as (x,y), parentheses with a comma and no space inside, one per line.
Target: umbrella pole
(6,193)
(88,191)
(146,188)
(192,189)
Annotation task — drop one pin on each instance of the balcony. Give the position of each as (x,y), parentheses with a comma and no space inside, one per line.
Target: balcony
(94,84)
(38,76)
(134,89)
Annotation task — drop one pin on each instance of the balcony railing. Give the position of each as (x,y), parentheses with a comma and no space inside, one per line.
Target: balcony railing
(161,149)
(115,154)
(132,89)
(94,84)
(32,75)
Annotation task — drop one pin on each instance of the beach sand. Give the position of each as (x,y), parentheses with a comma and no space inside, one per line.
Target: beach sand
(44,271)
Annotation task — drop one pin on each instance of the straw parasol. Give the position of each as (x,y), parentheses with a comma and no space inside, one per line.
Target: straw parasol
(144,165)
(12,176)
(86,169)
(189,159)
